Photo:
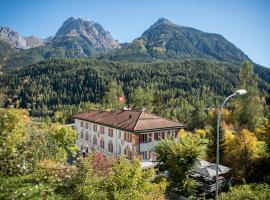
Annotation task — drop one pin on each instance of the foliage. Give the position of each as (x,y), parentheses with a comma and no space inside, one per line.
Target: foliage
(243,192)
(12,136)
(2,97)
(65,138)
(243,152)
(125,180)
(212,135)
(179,158)
(263,132)
(142,98)
(249,109)
(179,88)
(24,143)
(23,187)
(110,99)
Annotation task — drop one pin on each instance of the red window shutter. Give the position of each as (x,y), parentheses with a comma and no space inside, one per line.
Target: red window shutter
(130,156)
(140,138)
(130,137)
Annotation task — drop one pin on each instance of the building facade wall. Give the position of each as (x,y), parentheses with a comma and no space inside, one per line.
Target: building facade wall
(126,143)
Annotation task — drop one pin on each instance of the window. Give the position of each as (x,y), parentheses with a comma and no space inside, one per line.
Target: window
(86,136)
(110,132)
(128,152)
(144,138)
(119,134)
(101,143)
(82,134)
(101,129)
(156,136)
(176,134)
(95,127)
(128,137)
(82,123)
(150,137)
(86,125)
(169,135)
(144,155)
(110,146)
(95,140)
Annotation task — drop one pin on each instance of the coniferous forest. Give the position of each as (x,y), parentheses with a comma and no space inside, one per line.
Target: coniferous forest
(68,85)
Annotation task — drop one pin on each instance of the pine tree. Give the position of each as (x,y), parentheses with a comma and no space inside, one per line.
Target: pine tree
(248,112)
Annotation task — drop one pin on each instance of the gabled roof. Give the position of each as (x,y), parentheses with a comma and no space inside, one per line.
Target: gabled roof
(133,121)
(206,168)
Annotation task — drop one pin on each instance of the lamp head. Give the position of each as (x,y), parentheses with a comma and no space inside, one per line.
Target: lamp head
(241,92)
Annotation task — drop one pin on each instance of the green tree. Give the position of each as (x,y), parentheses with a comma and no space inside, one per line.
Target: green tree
(212,136)
(2,97)
(24,143)
(199,116)
(110,100)
(243,192)
(64,138)
(179,158)
(248,110)
(125,180)
(142,98)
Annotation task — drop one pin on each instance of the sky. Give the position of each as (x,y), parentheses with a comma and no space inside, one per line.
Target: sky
(245,23)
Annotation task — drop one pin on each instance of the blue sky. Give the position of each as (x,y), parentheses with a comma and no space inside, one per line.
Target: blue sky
(246,23)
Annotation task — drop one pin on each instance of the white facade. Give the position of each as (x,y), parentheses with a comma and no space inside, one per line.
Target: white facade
(122,142)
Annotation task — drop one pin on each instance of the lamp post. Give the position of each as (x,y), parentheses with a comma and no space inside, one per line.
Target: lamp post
(238,92)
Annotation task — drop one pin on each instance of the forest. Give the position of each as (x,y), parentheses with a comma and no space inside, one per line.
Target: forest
(60,87)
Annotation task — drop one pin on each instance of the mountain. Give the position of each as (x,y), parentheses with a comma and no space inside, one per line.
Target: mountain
(5,51)
(76,38)
(17,41)
(90,31)
(166,40)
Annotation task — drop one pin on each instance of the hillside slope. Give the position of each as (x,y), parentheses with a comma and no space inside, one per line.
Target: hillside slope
(72,81)
(166,40)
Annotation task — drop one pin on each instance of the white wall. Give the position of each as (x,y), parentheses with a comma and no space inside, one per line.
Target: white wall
(149,146)
(116,140)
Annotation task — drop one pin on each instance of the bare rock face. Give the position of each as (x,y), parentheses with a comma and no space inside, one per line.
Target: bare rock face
(18,41)
(87,30)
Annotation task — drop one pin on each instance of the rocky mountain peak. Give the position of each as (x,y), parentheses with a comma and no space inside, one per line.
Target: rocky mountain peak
(162,21)
(87,30)
(17,41)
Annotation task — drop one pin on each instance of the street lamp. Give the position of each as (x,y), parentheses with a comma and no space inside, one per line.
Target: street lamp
(238,92)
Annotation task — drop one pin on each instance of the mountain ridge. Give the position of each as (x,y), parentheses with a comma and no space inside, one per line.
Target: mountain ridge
(18,41)
(167,40)
(76,38)
(163,40)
